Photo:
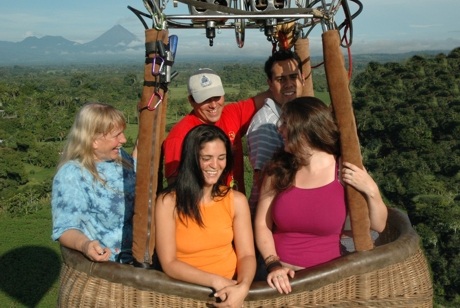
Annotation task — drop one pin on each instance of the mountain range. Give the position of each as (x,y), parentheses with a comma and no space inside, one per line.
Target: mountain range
(115,44)
(118,45)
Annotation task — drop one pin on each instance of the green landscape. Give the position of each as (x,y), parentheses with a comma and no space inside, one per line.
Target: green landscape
(408,118)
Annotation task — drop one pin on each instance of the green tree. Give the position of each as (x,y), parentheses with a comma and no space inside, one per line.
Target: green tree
(12,172)
(408,123)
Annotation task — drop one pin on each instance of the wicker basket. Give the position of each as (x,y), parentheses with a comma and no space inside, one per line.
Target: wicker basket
(394,274)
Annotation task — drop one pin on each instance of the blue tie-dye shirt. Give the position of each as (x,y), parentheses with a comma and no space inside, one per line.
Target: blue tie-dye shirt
(101,213)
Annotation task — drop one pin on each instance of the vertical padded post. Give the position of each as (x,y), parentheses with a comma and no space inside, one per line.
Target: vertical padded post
(150,138)
(302,48)
(339,91)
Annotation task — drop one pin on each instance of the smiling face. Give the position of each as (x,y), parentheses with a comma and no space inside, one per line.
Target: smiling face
(107,147)
(210,110)
(286,82)
(213,159)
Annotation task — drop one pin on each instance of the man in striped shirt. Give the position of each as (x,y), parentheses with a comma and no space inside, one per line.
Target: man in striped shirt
(285,79)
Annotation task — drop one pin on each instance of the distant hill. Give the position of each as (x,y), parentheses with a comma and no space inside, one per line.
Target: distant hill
(117,38)
(114,45)
(121,46)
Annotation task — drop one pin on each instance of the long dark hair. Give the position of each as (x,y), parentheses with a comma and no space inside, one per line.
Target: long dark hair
(188,186)
(307,119)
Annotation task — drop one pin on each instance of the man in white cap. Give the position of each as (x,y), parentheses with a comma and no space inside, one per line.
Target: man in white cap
(206,96)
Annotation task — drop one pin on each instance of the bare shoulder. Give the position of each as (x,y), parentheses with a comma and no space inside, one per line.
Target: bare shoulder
(241,204)
(167,201)
(239,197)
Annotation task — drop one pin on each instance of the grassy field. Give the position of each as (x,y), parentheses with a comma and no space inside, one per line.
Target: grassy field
(38,174)
(30,261)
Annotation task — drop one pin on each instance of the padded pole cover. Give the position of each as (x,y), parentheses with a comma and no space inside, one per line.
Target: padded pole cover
(302,48)
(150,138)
(339,91)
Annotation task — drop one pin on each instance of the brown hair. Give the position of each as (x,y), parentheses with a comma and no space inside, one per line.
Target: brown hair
(308,121)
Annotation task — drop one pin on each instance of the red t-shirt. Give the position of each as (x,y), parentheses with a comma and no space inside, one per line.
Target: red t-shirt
(234,122)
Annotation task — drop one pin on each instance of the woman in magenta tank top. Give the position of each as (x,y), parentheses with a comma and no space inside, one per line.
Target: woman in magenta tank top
(302,209)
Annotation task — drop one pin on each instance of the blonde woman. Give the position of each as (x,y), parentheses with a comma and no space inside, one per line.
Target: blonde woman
(93,189)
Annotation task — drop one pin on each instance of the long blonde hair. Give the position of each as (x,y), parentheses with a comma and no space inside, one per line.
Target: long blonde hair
(92,120)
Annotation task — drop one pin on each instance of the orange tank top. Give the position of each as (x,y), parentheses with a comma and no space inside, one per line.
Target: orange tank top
(209,248)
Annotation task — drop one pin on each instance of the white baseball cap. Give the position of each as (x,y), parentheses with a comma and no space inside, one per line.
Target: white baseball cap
(204,84)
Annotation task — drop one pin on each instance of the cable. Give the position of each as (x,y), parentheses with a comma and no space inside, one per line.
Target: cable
(138,14)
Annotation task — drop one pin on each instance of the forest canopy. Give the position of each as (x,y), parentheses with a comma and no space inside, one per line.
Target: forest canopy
(408,118)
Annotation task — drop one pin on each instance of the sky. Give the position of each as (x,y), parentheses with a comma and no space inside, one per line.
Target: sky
(384,26)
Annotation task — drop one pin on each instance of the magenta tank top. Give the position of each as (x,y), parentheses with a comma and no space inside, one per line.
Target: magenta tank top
(308,223)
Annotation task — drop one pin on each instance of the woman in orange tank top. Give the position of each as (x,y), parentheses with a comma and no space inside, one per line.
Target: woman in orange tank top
(202,227)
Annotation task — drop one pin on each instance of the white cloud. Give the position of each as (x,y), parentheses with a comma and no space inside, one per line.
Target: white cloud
(424,26)
(32,33)
(134,44)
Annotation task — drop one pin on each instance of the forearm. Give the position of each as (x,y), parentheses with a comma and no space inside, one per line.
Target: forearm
(265,242)
(377,210)
(74,239)
(259,99)
(246,270)
(182,271)
(263,233)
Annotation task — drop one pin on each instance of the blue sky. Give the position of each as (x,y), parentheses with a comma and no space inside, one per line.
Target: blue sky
(387,26)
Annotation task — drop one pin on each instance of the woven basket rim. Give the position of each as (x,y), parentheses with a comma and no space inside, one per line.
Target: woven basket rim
(404,246)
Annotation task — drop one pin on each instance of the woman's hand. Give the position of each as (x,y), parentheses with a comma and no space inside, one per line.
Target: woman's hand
(75,239)
(232,295)
(360,180)
(279,279)
(220,282)
(93,251)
